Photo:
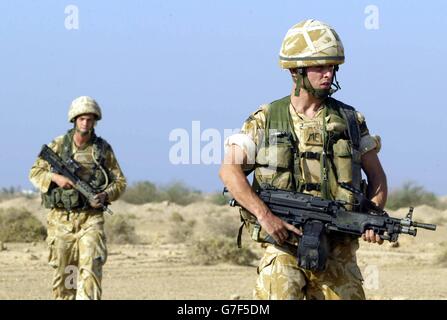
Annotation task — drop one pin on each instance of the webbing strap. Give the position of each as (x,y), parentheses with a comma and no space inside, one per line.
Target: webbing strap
(310,187)
(350,116)
(310,155)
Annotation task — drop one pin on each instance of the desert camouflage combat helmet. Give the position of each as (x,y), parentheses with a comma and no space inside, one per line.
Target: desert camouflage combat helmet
(83,105)
(311,43)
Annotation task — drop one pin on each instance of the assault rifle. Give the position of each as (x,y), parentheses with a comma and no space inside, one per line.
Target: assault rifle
(317,216)
(69,170)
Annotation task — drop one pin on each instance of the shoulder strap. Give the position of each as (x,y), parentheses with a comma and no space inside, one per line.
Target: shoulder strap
(100,148)
(278,118)
(67,144)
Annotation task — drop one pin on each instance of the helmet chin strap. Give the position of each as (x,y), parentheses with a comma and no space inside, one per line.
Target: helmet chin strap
(317,93)
(335,81)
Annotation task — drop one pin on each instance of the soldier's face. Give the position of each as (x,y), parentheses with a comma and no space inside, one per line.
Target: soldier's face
(320,77)
(85,123)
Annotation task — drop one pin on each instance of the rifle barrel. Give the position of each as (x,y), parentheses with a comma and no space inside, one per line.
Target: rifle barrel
(424,225)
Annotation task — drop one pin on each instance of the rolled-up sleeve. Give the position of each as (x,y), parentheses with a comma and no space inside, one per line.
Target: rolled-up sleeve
(368,142)
(250,135)
(245,142)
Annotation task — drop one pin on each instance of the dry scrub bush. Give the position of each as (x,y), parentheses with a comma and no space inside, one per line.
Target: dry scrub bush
(217,250)
(181,231)
(412,195)
(120,230)
(176,192)
(19,225)
(227,226)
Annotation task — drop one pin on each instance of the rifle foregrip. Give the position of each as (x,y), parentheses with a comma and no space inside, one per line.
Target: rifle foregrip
(85,189)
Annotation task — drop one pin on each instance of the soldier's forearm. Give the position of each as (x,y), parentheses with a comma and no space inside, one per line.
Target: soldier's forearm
(237,184)
(377,184)
(235,180)
(378,190)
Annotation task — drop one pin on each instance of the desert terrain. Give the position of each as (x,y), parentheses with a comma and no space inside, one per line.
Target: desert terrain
(161,265)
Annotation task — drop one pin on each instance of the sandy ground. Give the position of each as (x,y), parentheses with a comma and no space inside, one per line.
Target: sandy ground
(160,269)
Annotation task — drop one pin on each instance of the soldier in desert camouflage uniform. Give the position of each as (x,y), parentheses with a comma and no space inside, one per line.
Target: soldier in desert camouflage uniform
(326,154)
(76,236)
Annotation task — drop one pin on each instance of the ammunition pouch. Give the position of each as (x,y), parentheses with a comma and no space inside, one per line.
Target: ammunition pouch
(64,199)
(254,229)
(313,247)
(312,250)
(343,159)
(258,234)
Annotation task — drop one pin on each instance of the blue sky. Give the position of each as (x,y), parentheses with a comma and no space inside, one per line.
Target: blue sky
(155,66)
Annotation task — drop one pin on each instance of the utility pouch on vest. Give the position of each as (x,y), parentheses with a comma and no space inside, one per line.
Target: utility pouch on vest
(62,198)
(313,248)
(254,229)
(342,160)
(51,198)
(275,162)
(70,198)
(258,234)
(343,165)
(277,155)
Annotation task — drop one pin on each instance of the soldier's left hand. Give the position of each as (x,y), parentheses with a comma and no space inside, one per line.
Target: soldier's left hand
(370,236)
(99,200)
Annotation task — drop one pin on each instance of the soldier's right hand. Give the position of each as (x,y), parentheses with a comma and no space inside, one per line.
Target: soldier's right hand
(62,181)
(276,227)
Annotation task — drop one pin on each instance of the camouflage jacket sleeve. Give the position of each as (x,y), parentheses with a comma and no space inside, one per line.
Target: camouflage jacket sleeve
(367,141)
(254,125)
(117,184)
(249,136)
(40,174)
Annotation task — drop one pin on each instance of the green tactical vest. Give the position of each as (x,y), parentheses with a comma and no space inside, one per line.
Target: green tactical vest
(70,199)
(340,160)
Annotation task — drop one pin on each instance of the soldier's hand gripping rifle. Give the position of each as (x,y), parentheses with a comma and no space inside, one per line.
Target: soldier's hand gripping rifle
(69,170)
(317,216)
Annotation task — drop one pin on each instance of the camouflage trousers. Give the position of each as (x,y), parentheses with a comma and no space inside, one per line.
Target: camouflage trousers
(78,251)
(280,278)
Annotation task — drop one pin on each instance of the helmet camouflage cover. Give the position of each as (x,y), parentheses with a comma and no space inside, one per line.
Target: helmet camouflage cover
(311,43)
(83,105)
